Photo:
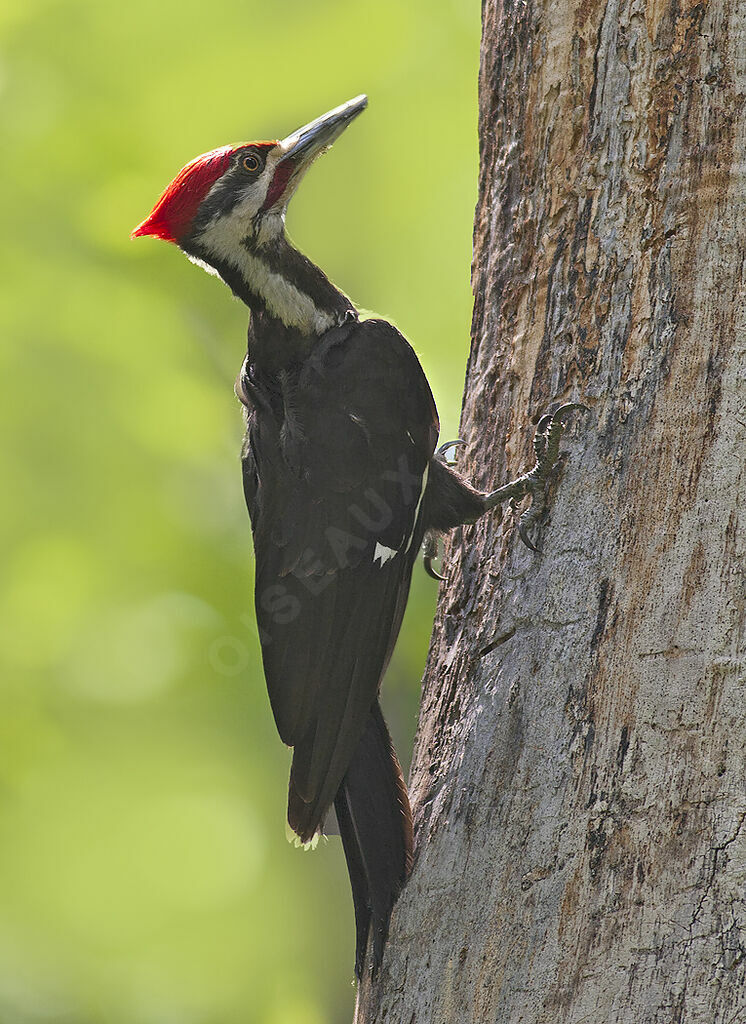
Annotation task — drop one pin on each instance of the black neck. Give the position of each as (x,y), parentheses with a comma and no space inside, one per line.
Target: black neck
(277,279)
(285,260)
(292,301)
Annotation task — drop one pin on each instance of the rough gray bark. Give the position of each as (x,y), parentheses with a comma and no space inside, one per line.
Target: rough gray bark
(578,778)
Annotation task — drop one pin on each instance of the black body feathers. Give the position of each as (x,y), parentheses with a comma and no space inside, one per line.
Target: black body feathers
(341,484)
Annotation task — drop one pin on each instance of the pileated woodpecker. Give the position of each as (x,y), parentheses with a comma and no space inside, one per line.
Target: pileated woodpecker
(343,483)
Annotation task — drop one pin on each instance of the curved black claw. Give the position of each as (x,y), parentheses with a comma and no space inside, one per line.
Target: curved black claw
(523,534)
(548,434)
(529,519)
(534,483)
(445,448)
(432,573)
(429,552)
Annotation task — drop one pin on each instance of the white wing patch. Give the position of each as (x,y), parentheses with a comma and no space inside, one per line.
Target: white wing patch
(410,538)
(384,553)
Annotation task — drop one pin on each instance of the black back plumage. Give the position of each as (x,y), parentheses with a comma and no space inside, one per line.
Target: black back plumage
(335,466)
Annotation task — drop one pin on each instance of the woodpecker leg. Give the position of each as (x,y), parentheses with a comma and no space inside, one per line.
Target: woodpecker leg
(534,483)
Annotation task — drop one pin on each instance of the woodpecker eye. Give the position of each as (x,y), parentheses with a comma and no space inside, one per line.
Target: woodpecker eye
(251,162)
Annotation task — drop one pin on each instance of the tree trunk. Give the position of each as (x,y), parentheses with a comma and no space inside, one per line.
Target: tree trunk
(578,778)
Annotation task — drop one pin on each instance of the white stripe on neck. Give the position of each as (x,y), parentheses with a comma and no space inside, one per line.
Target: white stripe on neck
(283,300)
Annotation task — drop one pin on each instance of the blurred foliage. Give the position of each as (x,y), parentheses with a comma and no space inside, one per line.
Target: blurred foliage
(145,877)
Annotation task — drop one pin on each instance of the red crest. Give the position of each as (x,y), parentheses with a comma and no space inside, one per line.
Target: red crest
(175,210)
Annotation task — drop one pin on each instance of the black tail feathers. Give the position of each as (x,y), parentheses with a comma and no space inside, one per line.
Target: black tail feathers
(375,822)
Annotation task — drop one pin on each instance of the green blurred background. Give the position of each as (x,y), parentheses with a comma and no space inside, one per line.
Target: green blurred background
(145,877)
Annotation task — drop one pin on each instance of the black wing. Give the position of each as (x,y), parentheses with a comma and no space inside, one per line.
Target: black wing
(335,470)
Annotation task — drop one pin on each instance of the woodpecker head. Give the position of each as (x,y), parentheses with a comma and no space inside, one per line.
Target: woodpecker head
(233,200)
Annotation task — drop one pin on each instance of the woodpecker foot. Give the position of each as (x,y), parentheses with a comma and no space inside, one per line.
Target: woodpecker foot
(534,483)
(430,550)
